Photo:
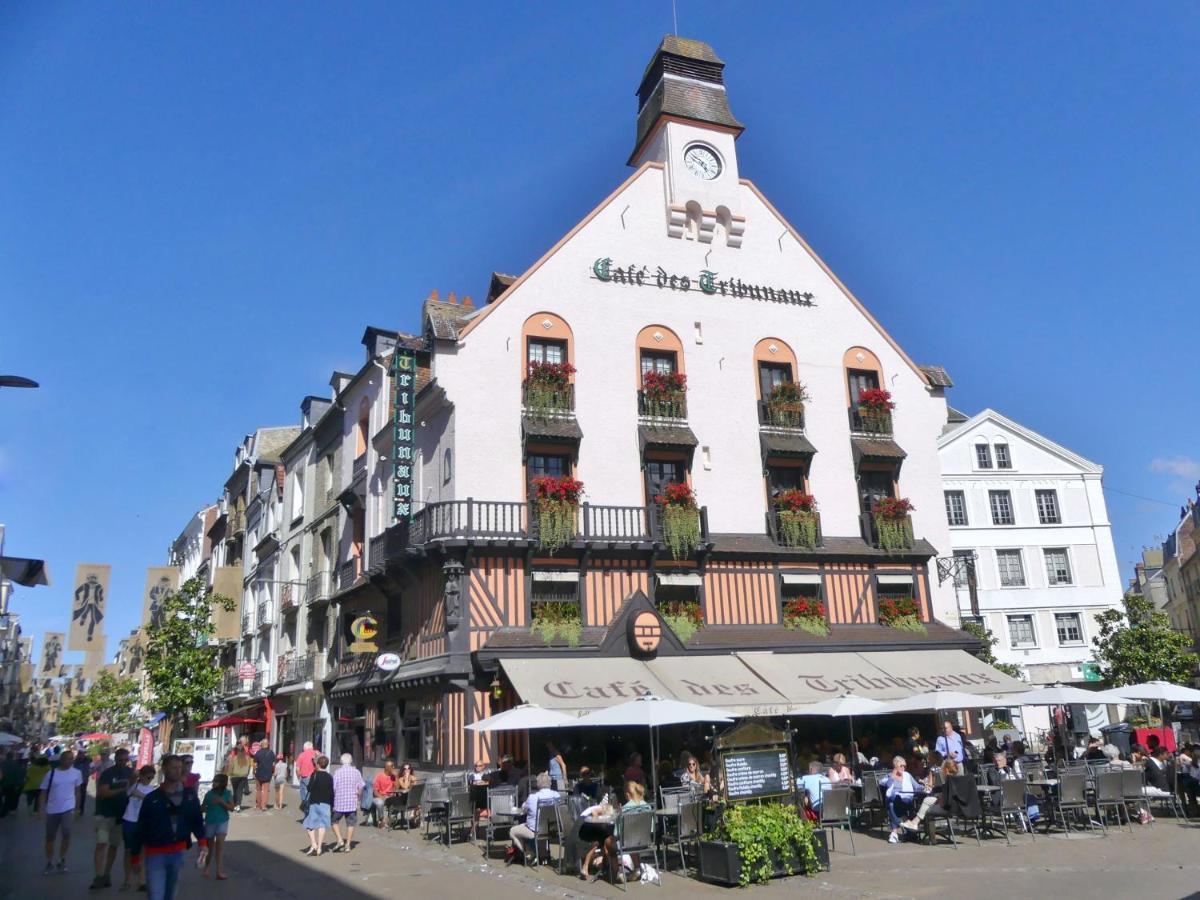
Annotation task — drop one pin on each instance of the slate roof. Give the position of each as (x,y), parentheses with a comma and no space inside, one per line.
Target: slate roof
(499,283)
(666,436)
(272,442)
(789,444)
(872,449)
(937,376)
(555,428)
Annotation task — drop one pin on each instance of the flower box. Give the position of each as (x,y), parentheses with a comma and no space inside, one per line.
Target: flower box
(893,525)
(721,863)
(663,395)
(556,502)
(806,615)
(901,613)
(772,840)
(680,519)
(683,617)
(799,524)
(548,388)
(785,405)
(554,620)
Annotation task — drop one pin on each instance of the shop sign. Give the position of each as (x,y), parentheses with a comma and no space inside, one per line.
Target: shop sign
(364,629)
(247,671)
(404,368)
(645,633)
(705,282)
(388,662)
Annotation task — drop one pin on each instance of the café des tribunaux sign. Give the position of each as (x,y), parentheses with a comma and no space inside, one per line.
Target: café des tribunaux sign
(705,282)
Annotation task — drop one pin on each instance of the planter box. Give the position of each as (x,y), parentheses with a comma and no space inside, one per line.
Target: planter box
(721,862)
(1000,733)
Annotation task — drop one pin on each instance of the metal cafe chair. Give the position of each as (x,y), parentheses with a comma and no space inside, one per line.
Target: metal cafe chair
(1171,801)
(982,772)
(637,836)
(434,802)
(1110,795)
(459,811)
(689,828)
(564,815)
(1131,790)
(835,812)
(412,804)
(547,816)
(872,797)
(502,815)
(1072,797)
(1012,803)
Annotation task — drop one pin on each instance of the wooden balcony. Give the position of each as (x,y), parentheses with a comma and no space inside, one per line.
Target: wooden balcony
(377,553)
(672,408)
(874,423)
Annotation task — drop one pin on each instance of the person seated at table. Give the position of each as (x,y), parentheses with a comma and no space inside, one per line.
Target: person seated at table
(933,765)
(1157,784)
(592,835)
(479,773)
(587,785)
(635,793)
(383,790)
(526,832)
(506,774)
(1003,771)
(914,744)
(990,747)
(635,772)
(901,788)
(814,784)
(1112,753)
(839,771)
(1189,774)
(1094,751)
(691,776)
(934,802)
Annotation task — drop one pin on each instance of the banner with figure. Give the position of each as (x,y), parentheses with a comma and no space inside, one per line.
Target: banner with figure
(227,582)
(160,581)
(52,654)
(27,648)
(26,677)
(88,603)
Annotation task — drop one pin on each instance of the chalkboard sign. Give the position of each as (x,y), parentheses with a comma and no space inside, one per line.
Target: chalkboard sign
(752,774)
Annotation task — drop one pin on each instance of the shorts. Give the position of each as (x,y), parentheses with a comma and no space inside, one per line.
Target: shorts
(317,816)
(278,782)
(108,831)
(133,843)
(55,821)
(212,829)
(350,817)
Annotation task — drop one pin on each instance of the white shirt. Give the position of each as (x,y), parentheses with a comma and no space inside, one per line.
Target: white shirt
(904,787)
(61,783)
(136,795)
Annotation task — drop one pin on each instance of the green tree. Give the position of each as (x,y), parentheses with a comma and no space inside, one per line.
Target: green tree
(1139,645)
(181,667)
(987,641)
(109,705)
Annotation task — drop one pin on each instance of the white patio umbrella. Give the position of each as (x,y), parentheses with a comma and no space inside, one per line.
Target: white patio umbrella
(1063,695)
(939,701)
(652,712)
(846,706)
(525,717)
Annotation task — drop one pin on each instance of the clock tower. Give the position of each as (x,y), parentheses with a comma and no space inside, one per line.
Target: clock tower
(685,123)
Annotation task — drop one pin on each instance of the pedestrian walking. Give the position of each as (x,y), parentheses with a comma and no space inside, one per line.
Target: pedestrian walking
(306,764)
(60,791)
(264,769)
(216,807)
(320,804)
(279,778)
(112,786)
(33,782)
(169,817)
(12,777)
(138,791)
(83,765)
(238,769)
(190,779)
(347,792)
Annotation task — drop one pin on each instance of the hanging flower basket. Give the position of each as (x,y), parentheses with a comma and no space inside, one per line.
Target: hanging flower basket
(875,410)
(807,615)
(785,405)
(680,519)
(683,617)
(663,394)
(548,387)
(893,524)
(798,519)
(901,613)
(556,501)
(557,620)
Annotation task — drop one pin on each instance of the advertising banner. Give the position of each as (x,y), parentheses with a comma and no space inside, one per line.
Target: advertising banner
(52,654)
(227,582)
(160,581)
(88,604)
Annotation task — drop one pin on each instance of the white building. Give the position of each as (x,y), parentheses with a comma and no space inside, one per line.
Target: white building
(1032,515)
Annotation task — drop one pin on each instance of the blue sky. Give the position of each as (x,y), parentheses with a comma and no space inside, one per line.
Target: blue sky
(202,206)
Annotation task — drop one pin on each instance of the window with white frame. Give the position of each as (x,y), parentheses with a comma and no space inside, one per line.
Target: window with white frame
(956,508)
(1003,457)
(964,562)
(1058,566)
(1069,628)
(1002,509)
(1020,632)
(983,456)
(1012,572)
(1047,507)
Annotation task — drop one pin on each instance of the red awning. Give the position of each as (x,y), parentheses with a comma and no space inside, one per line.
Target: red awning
(96,736)
(226,721)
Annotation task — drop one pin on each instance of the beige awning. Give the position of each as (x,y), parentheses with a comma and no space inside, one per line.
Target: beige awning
(555,576)
(577,686)
(801,578)
(724,682)
(680,580)
(897,580)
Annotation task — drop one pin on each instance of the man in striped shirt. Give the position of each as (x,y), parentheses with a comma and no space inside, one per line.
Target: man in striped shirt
(347,794)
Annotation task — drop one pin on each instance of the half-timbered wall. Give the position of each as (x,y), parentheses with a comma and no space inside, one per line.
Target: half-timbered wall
(608,583)
(740,593)
(424,620)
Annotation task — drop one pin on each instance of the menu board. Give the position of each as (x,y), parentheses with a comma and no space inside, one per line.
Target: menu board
(750,774)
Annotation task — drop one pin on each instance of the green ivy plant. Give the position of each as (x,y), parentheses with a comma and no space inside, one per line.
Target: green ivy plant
(554,620)
(767,834)
(681,530)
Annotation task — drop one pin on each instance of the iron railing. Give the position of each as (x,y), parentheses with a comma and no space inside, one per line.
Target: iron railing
(864,421)
(671,407)
(293,668)
(778,415)
(347,574)
(540,400)
(264,616)
(360,466)
(319,587)
(377,553)
(779,535)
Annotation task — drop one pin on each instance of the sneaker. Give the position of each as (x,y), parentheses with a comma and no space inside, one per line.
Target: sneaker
(910,825)
(49,868)
(97,883)
(61,868)
(107,881)
(893,838)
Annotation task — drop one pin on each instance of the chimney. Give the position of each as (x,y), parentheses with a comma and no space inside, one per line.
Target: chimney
(467,301)
(452,299)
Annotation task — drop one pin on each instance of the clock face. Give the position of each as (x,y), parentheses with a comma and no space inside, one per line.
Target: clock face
(702,162)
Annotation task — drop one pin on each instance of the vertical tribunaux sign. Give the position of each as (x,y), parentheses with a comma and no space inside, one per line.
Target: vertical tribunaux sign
(404,368)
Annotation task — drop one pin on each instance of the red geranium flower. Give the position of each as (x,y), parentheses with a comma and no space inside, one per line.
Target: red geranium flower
(876,399)
(547,487)
(677,494)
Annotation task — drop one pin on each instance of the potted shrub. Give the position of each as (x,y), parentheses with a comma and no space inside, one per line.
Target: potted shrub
(902,613)
(755,843)
(875,410)
(680,519)
(663,394)
(797,512)
(893,524)
(557,620)
(807,615)
(556,501)
(785,405)
(1000,728)
(683,617)
(548,387)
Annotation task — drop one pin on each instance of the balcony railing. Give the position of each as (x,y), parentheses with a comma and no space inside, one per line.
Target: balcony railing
(896,539)
(287,596)
(673,407)
(360,466)
(264,615)
(540,400)
(472,519)
(231,682)
(293,668)
(377,553)
(347,574)
(784,536)
(777,415)
(246,625)
(319,587)
(867,422)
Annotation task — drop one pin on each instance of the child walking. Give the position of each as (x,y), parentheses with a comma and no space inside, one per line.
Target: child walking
(217,804)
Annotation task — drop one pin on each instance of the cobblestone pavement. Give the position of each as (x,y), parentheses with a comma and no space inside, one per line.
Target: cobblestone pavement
(265,860)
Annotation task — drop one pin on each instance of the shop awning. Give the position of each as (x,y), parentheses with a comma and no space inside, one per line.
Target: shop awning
(577,686)
(724,682)
(801,577)
(895,580)
(879,675)
(789,444)
(684,580)
(555,576)
(882,450)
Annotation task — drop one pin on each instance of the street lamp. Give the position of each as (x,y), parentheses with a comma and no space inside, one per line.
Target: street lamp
(17,381)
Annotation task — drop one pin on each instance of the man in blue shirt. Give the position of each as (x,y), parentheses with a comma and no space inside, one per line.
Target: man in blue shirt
(815,783)
(950,743)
